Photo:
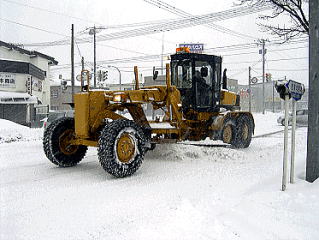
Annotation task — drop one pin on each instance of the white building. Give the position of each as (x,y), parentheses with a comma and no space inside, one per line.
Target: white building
(20,69)
(24,80)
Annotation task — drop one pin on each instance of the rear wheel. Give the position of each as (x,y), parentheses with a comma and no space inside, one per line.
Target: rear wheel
(56,143)
(244,131)
(121,147)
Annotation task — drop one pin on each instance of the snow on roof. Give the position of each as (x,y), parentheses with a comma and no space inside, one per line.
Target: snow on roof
(17,98)
(31,53)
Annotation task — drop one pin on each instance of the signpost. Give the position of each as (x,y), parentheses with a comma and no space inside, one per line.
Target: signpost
(287,90)
(296,90)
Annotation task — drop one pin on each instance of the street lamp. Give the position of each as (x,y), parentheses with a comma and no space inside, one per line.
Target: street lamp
(92,31)
(120,78)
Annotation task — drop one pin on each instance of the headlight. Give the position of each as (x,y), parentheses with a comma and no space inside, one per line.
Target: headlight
(117,98)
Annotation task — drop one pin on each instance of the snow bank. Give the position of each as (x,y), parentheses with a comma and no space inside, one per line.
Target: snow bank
(12,132)
(266,123)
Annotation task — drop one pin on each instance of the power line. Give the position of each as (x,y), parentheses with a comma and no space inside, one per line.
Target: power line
(165,6)
(284,70)
(241,72)
(122,49)
(168,25)
(151,58)
(49,11)
(29,26)
(118,26)
(271,60)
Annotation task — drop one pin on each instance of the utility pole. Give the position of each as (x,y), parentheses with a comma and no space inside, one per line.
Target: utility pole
(263,61)
(162,58)
(249,84)
(94,39)
(72,62)
(312,169)
(82,63)
(273,96)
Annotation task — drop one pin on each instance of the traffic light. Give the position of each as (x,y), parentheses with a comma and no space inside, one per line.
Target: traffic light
(64,85)
(105,75)
(268,77)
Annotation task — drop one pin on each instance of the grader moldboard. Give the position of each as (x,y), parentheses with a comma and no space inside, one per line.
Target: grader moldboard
(192,101)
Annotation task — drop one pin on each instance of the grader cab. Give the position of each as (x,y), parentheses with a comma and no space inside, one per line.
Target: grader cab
(194,104)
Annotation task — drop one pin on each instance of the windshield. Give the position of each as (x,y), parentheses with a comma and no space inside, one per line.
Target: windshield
(182,74)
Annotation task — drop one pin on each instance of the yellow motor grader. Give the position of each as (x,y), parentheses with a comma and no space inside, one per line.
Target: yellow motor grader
(196,106)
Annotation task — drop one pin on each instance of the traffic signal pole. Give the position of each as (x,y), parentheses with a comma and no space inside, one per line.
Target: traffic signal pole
(94,40)
(249,84)
(72,63)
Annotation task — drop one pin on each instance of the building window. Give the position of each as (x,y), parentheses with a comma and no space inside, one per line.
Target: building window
(54,93)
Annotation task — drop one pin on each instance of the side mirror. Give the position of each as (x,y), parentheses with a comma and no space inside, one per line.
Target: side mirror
(204,71)
(224,82)
(155,74)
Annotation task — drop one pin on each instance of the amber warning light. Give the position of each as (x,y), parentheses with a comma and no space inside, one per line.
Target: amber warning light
(182,50)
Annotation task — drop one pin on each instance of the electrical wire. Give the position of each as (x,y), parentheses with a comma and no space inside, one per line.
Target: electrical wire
(49,11)
(32,27)
(241,72)
(165,6)
(167,26)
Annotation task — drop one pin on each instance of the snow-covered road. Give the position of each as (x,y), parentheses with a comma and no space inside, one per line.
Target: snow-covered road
(180,192)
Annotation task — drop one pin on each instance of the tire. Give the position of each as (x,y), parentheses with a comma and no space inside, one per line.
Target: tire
(283,122)
(121,148)
(63,156)
(228,132)
(244,132)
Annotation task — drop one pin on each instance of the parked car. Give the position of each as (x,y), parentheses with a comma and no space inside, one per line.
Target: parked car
(301,118)
(56,115)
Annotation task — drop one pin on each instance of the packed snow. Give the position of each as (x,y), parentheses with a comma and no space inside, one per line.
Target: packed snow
(181,191)
(12,132)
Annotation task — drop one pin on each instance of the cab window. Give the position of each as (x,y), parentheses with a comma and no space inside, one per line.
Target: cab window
(182,74)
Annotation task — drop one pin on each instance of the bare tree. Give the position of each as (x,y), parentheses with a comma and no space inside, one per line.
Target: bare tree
(298,24)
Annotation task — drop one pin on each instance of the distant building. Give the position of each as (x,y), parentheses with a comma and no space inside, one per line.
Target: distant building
(272,98)
(160,80)
(24,83)
(61,96)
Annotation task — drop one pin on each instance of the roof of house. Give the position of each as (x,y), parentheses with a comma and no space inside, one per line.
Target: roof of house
(31,53)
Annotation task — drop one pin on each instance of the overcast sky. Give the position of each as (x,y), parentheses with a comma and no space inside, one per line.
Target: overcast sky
(86,13)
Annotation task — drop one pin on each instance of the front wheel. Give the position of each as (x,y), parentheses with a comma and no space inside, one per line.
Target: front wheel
(121,148)
(56,143)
